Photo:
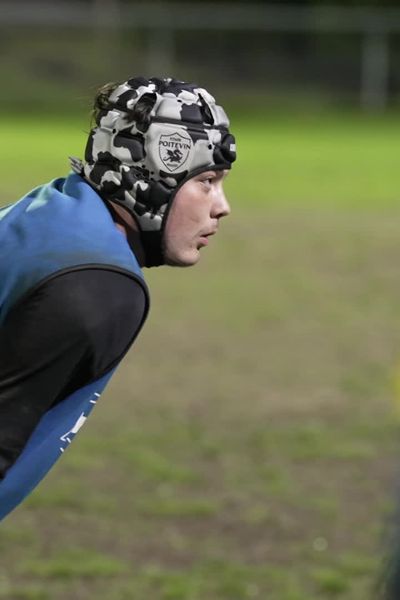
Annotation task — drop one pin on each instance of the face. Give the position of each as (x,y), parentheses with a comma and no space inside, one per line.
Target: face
(194,217)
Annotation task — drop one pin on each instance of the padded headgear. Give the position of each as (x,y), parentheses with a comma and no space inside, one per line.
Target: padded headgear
(151,136)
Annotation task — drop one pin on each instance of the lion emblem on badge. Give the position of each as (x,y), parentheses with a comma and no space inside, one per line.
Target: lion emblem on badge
(174,150)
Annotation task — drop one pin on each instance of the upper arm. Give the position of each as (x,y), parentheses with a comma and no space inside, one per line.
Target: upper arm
(67,332)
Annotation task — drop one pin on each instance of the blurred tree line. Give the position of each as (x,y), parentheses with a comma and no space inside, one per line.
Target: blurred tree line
(357,3)
(59,64)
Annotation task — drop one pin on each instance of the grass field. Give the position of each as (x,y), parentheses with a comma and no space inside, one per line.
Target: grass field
(247,447)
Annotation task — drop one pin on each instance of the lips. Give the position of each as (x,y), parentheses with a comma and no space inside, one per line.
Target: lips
(204,237)
(203,240)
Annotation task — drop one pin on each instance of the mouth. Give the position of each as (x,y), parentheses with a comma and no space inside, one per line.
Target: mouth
(204,238)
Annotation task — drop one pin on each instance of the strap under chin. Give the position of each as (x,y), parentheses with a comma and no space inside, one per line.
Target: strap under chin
(152,244)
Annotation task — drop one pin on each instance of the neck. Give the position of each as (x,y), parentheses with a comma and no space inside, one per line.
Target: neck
(125,222)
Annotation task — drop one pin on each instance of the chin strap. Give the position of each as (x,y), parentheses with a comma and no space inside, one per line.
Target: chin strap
(152,245)
(151,240)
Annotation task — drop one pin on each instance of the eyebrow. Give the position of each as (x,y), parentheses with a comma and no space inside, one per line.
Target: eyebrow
(205,173)
(218,173)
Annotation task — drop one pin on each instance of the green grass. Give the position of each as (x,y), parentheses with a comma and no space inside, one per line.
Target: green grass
(246,447)
(297,160)
(69,564)
(336,160)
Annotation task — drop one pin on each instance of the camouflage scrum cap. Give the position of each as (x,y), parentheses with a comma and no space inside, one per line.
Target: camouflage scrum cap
(151,136)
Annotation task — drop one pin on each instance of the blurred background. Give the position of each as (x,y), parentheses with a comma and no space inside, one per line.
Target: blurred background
(309,50)
(247,446)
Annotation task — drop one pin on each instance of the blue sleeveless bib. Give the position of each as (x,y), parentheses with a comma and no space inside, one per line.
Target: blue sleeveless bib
(60,226)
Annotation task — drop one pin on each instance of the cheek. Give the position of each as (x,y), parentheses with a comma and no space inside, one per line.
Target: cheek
(183,223)
(174,225)
(198,213)
(188,215)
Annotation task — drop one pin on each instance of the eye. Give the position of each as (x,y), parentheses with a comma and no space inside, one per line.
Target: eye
(208,180)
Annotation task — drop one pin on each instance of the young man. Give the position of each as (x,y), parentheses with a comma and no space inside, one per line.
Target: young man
(72,294)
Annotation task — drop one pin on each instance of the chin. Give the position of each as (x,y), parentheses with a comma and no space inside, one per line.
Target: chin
(188,259)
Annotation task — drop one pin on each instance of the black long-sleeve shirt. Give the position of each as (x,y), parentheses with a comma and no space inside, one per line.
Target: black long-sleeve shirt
(67,332)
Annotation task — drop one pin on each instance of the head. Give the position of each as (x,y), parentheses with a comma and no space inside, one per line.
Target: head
(194,217)
(161,149)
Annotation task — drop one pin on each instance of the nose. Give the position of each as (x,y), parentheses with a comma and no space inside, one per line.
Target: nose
(221,207)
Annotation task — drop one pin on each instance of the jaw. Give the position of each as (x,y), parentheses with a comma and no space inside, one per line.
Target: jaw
(182,258)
